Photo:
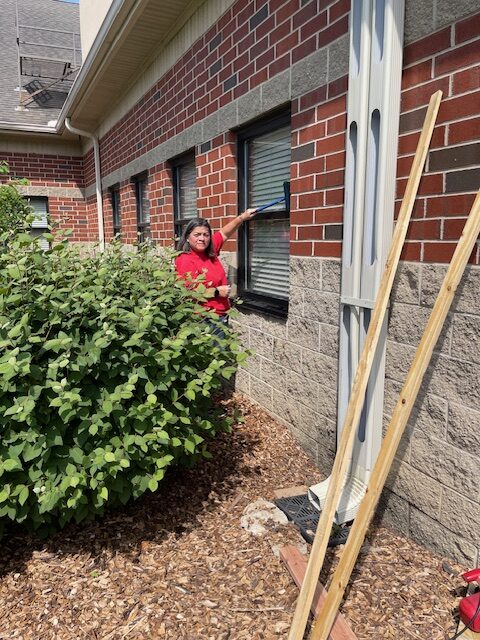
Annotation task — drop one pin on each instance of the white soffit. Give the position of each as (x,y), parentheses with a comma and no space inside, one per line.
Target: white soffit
(149,41)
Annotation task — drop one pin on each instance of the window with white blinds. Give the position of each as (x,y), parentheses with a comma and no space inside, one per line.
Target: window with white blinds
(269,247)
(185,191)
(143,208)
(265,254)
(40,220)
(116,215)
(268,167)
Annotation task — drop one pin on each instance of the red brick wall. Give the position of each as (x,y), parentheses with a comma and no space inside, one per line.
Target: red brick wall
(318,171)
(218,182)
(252,42)
(89,168)
(47,170)
(448,60)
(161,204)
(70,213)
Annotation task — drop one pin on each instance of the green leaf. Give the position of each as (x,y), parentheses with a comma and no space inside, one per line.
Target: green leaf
(189,445)
(22,498)
(15,331)
(149,388)
(109,457)
(152,484)
(12,464)
(31,451)
(6,369)
(76,455)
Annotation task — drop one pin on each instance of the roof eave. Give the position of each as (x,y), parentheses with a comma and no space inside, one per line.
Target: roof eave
(13,127)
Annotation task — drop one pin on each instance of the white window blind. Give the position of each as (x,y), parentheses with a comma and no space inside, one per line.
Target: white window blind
(269,257)
(269,159)
(40,221)
(269,167)
(115,199)
(143,203)
(187,185)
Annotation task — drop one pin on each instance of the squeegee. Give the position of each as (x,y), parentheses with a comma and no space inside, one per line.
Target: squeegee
(285,198)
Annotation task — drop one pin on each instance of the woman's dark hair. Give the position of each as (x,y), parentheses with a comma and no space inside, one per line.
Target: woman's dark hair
(184,245)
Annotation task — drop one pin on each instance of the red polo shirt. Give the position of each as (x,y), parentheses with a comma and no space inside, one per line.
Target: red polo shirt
(191,265)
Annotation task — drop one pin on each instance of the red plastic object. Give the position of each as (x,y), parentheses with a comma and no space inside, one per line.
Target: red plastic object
(467,608)
(472,576)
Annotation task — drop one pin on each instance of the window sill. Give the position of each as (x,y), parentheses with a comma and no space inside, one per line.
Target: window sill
(270,307)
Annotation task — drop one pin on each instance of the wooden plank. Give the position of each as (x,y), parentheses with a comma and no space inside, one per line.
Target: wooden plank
(466,635)
(398,421)
(288,492)
(357,396)
(296,564)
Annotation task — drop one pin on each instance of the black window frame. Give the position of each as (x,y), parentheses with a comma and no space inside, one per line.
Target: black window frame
(176,166)
(144,229)
(254,301)
(115,202)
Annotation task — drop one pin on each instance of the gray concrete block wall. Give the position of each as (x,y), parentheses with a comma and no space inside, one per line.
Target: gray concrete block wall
(435,475)
(422,17)
(293,372)
(431,493)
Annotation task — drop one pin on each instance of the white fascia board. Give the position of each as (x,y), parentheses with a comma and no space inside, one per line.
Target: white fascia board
(26,128)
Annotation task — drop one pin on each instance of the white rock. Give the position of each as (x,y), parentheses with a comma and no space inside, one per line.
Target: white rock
(260,513)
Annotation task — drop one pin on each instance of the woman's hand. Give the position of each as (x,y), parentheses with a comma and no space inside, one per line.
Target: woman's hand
(248,214)
(224,290)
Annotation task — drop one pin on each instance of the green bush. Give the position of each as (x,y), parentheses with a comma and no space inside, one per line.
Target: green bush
(14,209)
(106,379)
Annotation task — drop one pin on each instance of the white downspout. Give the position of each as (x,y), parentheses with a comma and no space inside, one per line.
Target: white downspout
(98,179)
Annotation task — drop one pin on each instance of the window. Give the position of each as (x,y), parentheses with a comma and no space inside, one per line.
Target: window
(143,208)
(40,221)
(115,200)
(264,167)
(184,191)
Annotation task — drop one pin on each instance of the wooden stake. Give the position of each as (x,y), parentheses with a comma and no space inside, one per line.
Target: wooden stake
(296,564)
(357,396)
(398,422)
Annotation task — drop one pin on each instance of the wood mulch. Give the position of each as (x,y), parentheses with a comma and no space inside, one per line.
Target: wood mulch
(177,564)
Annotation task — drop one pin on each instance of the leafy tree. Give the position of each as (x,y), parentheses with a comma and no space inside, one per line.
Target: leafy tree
(14,208)
(106,379)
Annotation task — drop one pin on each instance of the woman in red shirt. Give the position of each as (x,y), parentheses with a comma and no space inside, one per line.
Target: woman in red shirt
(200,249)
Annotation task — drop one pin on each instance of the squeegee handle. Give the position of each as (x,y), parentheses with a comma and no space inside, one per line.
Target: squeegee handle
(269,204)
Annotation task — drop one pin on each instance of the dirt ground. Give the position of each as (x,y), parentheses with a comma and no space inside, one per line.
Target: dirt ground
(177,564)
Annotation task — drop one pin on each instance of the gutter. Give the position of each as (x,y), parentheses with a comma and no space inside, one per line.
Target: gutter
(98,179)
(26,128)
